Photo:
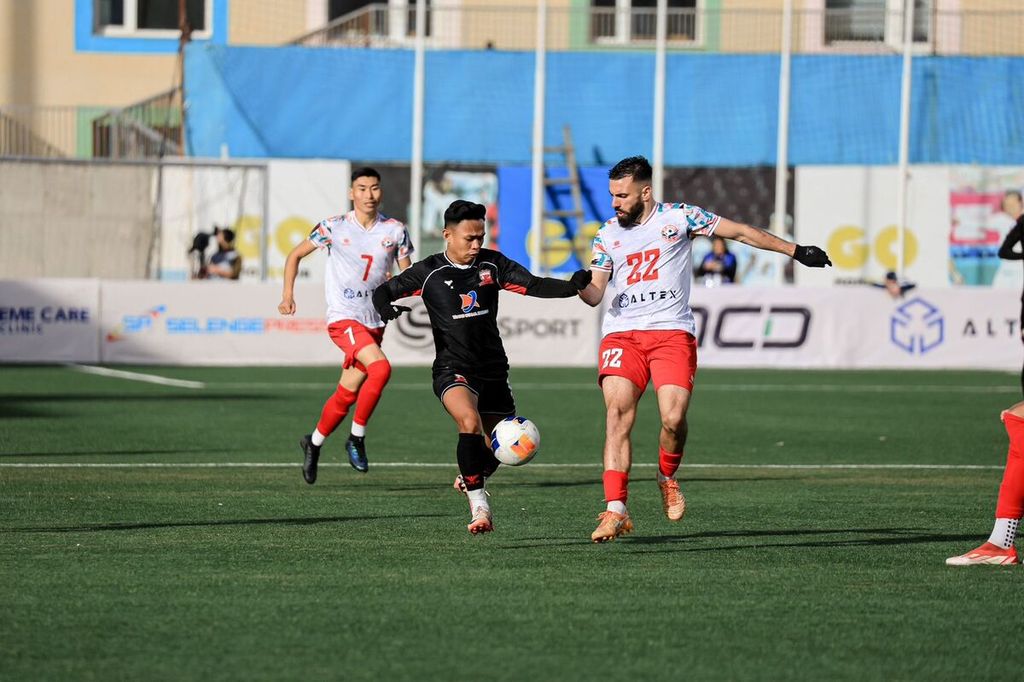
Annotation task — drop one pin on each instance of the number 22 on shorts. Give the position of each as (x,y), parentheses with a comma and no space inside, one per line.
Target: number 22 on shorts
(612,357)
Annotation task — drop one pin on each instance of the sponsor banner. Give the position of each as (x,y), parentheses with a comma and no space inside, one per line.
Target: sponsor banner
(979,223)
(857,328)
(226,323)
(536,332)
(302,193)
(49,320)
(213,323)
(850,212)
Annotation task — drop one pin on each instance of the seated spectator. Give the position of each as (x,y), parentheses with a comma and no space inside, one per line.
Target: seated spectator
(892,285)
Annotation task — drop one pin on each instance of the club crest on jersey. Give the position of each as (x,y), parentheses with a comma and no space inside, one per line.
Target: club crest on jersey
(387,242)
(486,278)
(345,241)
(670,233)
(469,301)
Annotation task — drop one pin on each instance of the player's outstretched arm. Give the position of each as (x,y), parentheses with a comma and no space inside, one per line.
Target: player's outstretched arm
(550,287)
(811,256)
(291,269)
(407,282)
(1013,237)
(594,292)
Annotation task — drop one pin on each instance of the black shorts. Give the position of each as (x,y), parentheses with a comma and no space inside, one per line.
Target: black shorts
(494,395)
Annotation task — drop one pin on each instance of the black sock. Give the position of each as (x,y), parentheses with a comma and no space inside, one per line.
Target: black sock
(490,462)
(471,461)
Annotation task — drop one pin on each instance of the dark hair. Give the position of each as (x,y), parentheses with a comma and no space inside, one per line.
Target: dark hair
(1015,194)
(365,172)
(460,210)
(229,234)
(636,167)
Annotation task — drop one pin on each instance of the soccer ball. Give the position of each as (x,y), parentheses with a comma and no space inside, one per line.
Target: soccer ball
(515,440)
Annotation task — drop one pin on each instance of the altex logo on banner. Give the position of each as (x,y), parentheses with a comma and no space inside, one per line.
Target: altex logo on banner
(917,327)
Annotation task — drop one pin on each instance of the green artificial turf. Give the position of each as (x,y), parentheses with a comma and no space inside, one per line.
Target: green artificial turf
(180,571)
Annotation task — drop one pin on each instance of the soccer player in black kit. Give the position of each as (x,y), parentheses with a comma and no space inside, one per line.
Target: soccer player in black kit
(460,290)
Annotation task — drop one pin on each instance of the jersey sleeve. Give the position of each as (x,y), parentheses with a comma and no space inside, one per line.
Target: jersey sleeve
(321,235)
(405,247)
(511,275)
(409,282)
(600,259)
(699,221)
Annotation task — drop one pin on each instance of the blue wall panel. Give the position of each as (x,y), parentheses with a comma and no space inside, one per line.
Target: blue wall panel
(721,110)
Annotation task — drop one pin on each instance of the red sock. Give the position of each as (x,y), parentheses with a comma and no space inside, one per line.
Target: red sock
(668,462)
(616,486)
(335,410)
(377,375)
(1011,492)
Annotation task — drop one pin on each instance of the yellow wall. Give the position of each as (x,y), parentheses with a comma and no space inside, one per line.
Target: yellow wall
(266,22)
(39,65)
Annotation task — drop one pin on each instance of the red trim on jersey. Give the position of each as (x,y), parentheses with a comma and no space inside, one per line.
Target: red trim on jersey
(514,288)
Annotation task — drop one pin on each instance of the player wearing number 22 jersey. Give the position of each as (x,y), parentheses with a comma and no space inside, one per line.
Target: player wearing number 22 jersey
(362,246)
(648,329)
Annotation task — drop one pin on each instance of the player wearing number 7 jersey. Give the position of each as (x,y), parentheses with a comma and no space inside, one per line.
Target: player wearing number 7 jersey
(648,329)
(362,247)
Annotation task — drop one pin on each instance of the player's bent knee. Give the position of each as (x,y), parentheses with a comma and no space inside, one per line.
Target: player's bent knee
(380,370)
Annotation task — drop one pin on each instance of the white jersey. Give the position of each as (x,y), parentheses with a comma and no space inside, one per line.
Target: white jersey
(651,268)
(358,261)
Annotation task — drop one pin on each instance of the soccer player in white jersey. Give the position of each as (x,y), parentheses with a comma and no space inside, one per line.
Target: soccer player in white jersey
(648,328)
(362,246)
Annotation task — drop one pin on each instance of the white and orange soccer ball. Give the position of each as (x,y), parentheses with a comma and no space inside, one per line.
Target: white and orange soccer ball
(515,440)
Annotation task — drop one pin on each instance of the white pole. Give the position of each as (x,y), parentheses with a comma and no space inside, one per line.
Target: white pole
(904,172)
(537,189)
(658,159)
(782,138)
(416,174)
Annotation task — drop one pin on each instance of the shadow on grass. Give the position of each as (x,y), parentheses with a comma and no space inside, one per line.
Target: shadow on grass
(35,405)
(693,542)
(295,521)
(128,451)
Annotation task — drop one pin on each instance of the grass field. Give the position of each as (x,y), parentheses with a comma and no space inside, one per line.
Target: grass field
(164,532)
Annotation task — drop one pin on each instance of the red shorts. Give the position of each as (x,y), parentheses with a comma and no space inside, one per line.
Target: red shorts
(351,337)
(666,356)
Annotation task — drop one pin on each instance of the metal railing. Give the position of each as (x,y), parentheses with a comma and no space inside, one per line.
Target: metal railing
(147,129)
(735,29)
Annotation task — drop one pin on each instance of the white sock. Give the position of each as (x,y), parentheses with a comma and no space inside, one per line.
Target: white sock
(478,498)
(662,478)
(1004,533)
(358,430)
(318,438)
(617,506)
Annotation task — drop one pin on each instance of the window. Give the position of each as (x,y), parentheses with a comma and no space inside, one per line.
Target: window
(628,21)
(150,18)
(874,21)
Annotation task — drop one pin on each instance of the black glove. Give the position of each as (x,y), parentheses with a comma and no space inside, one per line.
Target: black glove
(581,278)
(385,308)
(391,311)
(811,256)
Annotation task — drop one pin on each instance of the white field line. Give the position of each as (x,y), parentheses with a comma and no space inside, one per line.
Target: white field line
(820,388)
(452,465)
(136,376)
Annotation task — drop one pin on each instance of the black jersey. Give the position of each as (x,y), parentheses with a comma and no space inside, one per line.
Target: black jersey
(462,301)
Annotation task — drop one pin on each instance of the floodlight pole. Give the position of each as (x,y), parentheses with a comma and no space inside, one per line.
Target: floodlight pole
(537,263)
(658,143)
(782,137)
(904,157)
(416,170)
